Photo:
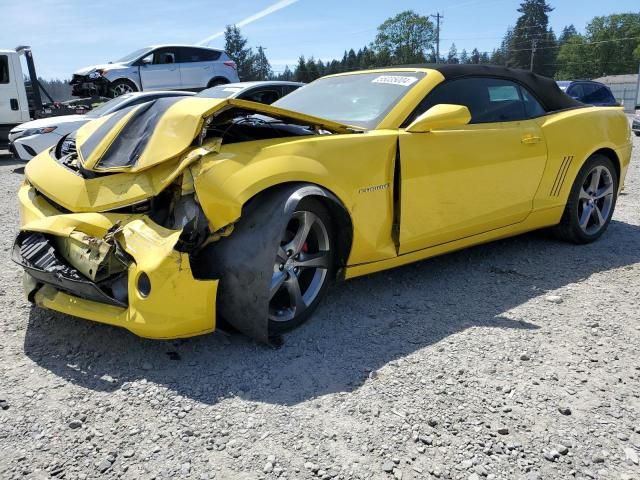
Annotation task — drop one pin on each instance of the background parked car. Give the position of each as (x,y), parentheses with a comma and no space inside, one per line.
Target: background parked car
(261,92)
(160,67)
(635,125)
(30,138)
(589,92)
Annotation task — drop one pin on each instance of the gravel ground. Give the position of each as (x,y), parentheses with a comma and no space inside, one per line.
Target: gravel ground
(513,360)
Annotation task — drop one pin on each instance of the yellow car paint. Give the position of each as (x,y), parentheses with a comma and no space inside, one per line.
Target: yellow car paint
(410,196)
(177,306)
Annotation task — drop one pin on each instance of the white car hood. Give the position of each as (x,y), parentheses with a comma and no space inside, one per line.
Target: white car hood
(66,120)
(106,66)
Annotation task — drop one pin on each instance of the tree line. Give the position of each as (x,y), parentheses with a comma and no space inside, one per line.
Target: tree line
(610,45)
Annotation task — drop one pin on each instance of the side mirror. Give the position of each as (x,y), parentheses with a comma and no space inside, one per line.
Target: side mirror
(440,117)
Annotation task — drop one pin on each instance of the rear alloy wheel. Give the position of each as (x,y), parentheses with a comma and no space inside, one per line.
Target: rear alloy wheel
(591,201)
(121,87)
(303,267)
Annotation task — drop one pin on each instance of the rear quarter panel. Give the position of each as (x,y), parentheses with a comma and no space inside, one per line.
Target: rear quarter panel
(572,137)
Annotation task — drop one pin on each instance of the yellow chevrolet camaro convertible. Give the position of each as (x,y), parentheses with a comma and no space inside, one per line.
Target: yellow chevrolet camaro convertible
(171,216)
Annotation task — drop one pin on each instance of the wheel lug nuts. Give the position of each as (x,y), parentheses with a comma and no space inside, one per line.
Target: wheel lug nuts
(281,267)
(289,253)
(296,269)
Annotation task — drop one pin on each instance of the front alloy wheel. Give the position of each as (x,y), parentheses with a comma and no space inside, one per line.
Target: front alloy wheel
(121,87)
(302,268)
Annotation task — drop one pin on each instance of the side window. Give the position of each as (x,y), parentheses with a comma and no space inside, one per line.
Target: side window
(164,56)
(210,55)
(4,69)
(576,91)
(531,105)
(192,55)
(261,96)
(289,88)
(488,100)
(598,94)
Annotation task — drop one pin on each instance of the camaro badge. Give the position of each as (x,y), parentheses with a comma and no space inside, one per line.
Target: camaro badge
(373,188)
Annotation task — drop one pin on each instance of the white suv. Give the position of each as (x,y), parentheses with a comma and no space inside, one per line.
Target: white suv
(161,67)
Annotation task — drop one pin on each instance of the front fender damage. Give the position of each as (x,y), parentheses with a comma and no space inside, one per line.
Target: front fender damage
(243,261)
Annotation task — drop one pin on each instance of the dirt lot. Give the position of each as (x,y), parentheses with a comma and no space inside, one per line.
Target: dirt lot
(514,360)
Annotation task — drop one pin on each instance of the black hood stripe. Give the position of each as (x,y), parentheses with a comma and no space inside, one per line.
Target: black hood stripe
(90,144)
(129,144)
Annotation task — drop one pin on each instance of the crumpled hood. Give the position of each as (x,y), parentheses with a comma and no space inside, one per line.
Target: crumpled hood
(140,137)
(105,66)
(144,148)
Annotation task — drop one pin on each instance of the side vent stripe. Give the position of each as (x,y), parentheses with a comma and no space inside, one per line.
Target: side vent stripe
(561,176)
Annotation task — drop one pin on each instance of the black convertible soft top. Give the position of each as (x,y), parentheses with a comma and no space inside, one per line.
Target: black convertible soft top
(545,89)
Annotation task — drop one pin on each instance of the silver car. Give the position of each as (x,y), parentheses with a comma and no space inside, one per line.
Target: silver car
(267,91)
(160,67)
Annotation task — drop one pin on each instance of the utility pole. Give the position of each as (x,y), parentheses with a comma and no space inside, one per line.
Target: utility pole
(534,43)
(437,16)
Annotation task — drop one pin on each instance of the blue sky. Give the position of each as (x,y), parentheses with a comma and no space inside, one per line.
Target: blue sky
(68,34)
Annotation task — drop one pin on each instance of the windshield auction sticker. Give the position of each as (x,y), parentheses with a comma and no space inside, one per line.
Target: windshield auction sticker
(403,81)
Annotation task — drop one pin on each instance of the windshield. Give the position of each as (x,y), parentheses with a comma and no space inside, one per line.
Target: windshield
(133,56)
(110,106)
(221,91)
(361,99)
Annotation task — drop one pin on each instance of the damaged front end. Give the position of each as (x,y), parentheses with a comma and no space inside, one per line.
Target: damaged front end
(85,266)
(111,219)
(117,268)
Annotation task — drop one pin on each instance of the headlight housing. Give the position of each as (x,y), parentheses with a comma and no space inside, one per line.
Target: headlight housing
(36,131)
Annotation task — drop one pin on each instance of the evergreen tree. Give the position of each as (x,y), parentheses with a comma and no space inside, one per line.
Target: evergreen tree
(567,32)
(352,61)
(368,58)
(452,56)
(236,47)
(301,74)
(312,70)
(286,75)
(464,56)
(532,29)
(475,56)
(261,67)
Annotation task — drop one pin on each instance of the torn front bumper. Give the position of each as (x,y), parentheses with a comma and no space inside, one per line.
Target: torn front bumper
(83,86)
(176,305)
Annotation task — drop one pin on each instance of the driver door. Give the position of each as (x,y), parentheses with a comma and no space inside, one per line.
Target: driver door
(160,70)
(475,178)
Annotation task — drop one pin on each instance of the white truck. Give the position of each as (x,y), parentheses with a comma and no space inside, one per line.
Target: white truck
(14,103)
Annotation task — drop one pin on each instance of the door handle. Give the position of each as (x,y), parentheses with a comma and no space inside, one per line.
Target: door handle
(530,139)
(14,104)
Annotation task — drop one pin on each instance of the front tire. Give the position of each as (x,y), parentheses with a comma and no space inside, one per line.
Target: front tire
(121,87)
(304,266)
(591,202)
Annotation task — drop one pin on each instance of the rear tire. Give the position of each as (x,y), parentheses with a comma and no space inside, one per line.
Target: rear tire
(304,266)
(591,202)
(214,82)
(121,87)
